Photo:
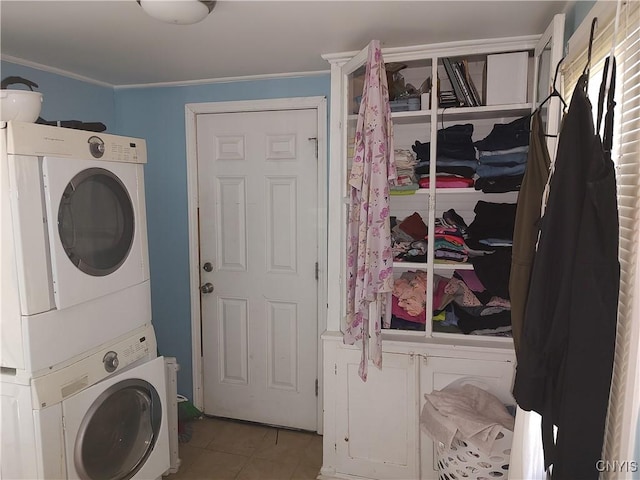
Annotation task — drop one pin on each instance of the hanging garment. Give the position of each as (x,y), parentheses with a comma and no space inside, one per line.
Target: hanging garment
(525,232)
(568,337)
(369,253)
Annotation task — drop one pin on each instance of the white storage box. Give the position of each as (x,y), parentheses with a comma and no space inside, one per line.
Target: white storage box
(507,78)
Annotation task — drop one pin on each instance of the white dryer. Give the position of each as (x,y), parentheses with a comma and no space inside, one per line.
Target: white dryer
(74,243)
(104,417)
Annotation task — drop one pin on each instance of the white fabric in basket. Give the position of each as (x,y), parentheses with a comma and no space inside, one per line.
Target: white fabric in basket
(474,414)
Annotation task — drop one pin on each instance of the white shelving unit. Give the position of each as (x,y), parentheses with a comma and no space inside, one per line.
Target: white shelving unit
(371,430)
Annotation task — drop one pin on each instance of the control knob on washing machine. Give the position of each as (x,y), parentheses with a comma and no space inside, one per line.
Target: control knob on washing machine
(110,361)
(96,147)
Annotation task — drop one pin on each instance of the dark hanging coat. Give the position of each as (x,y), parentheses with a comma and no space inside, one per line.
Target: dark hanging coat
(567,345)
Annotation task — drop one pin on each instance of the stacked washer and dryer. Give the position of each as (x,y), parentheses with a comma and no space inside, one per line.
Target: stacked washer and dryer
(83,392)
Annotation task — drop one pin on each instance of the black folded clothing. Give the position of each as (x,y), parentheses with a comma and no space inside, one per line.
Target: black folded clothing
(76,124)
(469,323)
(506,136)
(493,220)
(493,271)
(511,183)
(453,142)
(455,134)
(452,218)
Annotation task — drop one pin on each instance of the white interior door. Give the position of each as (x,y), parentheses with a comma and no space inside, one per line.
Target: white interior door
(257,181)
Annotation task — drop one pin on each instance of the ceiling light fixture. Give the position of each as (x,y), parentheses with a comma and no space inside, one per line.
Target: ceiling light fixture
(180,12)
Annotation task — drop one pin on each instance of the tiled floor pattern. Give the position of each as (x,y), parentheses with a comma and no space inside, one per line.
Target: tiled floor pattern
(225,449)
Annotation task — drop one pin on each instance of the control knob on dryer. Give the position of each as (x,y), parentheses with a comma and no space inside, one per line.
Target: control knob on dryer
(111,361)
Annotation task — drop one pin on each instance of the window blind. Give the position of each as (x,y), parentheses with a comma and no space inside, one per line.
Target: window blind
(624,401)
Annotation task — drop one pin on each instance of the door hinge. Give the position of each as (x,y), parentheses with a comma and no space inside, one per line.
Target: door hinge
(335,368)
(317,271)
(316,387)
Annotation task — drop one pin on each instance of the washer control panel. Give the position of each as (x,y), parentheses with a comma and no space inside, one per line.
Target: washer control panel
(105,361)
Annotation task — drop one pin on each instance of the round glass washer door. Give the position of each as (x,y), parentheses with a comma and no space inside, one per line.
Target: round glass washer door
(96,222)
(118,432)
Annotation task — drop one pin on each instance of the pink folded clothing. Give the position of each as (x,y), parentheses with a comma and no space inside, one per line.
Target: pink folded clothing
(471,279)
(398,311)
(447,181)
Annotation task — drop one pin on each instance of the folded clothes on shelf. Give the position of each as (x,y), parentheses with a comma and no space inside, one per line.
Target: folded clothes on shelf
(447,181)
(505,136)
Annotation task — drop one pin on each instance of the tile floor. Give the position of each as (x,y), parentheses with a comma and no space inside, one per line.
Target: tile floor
(226,449)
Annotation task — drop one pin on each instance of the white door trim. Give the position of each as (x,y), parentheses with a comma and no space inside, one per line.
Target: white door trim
(192,110)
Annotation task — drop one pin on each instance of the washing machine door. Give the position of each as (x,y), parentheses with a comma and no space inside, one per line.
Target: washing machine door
(118,432)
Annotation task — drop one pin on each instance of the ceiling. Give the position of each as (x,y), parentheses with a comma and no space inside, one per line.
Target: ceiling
(115,43)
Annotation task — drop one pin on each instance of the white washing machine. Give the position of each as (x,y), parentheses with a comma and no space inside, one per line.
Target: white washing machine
(73,243)
(104,417)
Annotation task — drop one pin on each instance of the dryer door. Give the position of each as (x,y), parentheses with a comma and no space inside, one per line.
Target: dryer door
(96,225)
(96,221)
(119,431)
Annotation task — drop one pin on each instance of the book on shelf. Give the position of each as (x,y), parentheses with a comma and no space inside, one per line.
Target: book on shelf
(466,90)
(455,83)
(474,91)
(448,99)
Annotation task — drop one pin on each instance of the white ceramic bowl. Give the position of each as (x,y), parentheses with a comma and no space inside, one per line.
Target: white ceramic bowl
(20,105)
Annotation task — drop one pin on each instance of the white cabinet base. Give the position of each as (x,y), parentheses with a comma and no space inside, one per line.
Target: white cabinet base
(372,429)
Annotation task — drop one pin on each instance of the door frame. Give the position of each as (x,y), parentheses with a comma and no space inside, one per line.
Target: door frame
(192,110)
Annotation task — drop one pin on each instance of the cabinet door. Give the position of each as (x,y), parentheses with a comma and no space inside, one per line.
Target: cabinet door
(377,420)
(438,372)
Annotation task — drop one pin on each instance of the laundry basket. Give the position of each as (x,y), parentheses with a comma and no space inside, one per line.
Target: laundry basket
(464,461)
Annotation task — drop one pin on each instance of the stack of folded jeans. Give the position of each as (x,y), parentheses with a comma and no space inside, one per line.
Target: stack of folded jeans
(502,157)
(455,153)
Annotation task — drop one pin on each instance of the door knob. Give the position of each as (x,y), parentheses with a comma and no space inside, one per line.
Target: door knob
(207,267)
(207,288)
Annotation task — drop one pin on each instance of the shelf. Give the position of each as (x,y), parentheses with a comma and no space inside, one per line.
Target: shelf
(458,338)
(479,194)
(486,111)
(420,191)
(468,113)
(403,118)
(457,191)
(451,266)
(410,265)
(411,117)
(436,266)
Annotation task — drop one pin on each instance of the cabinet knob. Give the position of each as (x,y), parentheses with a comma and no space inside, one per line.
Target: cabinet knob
(346,439)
